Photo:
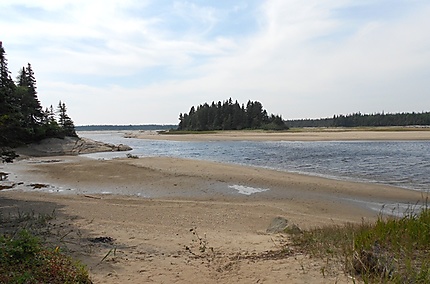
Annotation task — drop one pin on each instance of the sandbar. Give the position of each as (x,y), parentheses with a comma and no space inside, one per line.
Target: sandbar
(304,135)
(163,202)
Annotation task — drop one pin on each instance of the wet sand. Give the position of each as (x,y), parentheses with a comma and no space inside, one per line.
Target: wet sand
(152,233)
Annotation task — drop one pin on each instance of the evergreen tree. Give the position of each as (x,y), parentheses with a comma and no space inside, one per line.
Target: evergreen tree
(31,108)
(65,121)
(371,120)
(22,78)
(9,107)
(50,124)
(22,119)
(229,116)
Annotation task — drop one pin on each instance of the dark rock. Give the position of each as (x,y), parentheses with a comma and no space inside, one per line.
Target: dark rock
(105,240)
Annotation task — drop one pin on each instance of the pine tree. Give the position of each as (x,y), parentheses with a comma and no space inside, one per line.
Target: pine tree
(30,104)
(7,85)
(9,107)
(65,121)
(22,119)
(229,116)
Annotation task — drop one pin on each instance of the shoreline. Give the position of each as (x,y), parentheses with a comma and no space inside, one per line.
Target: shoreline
(152,235)
(311,135)
(185,179)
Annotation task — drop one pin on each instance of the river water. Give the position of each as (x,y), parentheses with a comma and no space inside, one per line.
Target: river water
(398,163)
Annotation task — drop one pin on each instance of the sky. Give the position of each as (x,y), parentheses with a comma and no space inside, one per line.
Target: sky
(147,61)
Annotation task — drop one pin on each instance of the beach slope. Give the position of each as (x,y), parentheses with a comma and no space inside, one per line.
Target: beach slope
(184,221)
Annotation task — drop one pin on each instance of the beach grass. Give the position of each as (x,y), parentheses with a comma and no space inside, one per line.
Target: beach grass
(391,250)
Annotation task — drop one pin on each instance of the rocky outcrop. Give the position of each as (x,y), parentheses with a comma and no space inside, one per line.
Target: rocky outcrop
(69,146)
(87,146)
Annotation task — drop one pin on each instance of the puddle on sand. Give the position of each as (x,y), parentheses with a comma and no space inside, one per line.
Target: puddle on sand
(247,190)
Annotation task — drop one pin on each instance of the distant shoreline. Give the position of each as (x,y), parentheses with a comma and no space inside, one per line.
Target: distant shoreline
(319,134)
(125,127)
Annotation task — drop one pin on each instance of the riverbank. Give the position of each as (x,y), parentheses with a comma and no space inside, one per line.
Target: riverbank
(153,234)
(330,134)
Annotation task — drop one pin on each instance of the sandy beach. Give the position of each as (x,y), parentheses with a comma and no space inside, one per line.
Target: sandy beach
(305,135)
(164,201)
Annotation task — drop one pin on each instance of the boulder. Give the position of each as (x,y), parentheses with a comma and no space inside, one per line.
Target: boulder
(122,147)
(282,225)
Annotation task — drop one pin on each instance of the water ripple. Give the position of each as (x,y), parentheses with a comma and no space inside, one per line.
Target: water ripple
(399,163)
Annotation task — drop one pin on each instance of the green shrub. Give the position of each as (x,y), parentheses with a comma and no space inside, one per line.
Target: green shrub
(23,259)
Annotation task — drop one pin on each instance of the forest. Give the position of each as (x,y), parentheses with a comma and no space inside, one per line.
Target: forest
(141,127)
(229,116)
(22,117)
(366,120)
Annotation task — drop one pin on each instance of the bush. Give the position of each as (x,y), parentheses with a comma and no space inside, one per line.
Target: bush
(23,259)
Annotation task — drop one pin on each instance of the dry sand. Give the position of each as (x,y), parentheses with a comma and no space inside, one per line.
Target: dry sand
(153,241)
(321,135)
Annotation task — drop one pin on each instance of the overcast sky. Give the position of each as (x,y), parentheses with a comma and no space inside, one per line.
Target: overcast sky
(146,61)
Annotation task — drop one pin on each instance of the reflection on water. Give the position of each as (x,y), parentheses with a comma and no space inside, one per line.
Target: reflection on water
(399,163)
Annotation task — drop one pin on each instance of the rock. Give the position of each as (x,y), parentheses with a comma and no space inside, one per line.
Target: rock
(69,146)
(106,240)
(122,147)
(293,229)
(282,225)
(87,146)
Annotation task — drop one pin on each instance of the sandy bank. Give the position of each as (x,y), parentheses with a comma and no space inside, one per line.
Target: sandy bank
(151,235)
(338,135)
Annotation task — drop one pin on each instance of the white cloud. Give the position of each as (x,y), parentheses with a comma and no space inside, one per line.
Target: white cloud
(304,59)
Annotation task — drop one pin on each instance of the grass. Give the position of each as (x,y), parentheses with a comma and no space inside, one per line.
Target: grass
(24,258)
(391,250)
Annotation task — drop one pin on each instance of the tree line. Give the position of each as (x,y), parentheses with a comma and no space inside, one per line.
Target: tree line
(229,115)
(22,118)
(372,120)
(126,127)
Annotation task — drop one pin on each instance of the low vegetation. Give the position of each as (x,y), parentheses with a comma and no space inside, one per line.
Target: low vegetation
(391,250)
(24,258)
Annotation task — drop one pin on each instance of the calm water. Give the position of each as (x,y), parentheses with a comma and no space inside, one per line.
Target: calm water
(399,163)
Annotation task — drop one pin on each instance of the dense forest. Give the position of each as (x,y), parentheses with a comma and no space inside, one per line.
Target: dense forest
(360,120)
(229,116)
(22,118)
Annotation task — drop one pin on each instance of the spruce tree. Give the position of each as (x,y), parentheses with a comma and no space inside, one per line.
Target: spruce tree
(229,116)
(65,121)
(9,107)
(22,119)
(30,107)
